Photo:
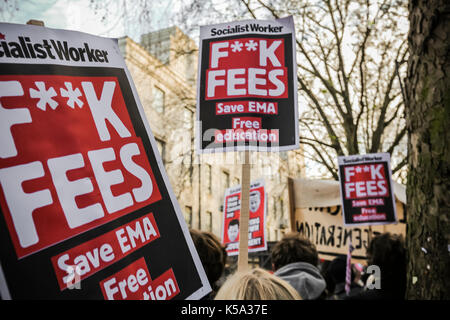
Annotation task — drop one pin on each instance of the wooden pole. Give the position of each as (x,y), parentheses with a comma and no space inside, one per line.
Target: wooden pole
(244,216)
(291,203)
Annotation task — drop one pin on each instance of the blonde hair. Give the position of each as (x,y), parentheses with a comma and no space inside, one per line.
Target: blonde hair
(256,284)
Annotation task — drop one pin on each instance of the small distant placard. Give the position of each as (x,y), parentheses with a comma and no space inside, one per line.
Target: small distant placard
(366,189)
(256,226)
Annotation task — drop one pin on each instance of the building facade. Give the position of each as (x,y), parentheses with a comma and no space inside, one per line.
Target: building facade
(164,70)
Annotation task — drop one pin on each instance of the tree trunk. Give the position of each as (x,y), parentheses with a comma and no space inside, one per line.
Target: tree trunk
(428,123)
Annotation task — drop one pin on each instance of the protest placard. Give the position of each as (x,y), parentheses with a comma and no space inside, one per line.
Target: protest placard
(366,189)
(247,86)
(86,208)
(316,213)
(257,213)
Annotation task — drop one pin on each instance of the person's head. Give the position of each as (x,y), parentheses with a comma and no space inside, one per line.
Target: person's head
(337,270)
(255,200)
(233,229)
(293,248)
(388,252)
(256,284)
(211,252)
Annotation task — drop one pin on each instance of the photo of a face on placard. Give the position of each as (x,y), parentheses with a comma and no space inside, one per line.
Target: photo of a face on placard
(233,230)
(255,200)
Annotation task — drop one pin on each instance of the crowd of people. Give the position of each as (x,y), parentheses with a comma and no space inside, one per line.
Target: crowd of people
(298,274)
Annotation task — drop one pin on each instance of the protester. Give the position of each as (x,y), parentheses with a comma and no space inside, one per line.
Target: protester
(386,252)
(295,260)
(212,255)
(256,284)
(336,274)
(330,285)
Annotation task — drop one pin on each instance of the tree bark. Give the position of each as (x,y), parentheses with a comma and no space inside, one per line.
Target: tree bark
(428,124)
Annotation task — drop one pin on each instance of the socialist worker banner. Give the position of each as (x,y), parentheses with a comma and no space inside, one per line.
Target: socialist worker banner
(86,208)
(247,87)
(366,189)
(257,218)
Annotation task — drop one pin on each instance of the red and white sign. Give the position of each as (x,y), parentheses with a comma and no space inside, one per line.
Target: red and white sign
(88,166)
(246,67)
(83,192)
(366,189)
(78,263)
(253,107)
(134,283)
(257,215)
(247,96)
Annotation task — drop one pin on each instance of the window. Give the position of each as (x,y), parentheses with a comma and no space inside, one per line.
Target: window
(236,181)
(158,99)
(188,69)
(188,215)
(161,148)
(208,178)
(279,177)
(208,221)
(188,118)
(274,206)
(225,180)
(272,235)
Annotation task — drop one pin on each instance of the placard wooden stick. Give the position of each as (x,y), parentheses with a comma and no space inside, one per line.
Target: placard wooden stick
(244,216)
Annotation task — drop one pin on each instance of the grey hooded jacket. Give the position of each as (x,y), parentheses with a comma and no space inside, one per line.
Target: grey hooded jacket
(304,277)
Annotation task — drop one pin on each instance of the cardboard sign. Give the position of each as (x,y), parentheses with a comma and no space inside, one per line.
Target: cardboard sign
(257,215)
(366,189)
(325,229)
(86,208)
(247,86)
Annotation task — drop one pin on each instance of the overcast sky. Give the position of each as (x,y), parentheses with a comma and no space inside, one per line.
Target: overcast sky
(61,14)
(78,15)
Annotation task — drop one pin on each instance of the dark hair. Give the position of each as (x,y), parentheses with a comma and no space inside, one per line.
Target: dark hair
(336,270)
(233,222)
(293,248)
(388,252)
(211,252)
